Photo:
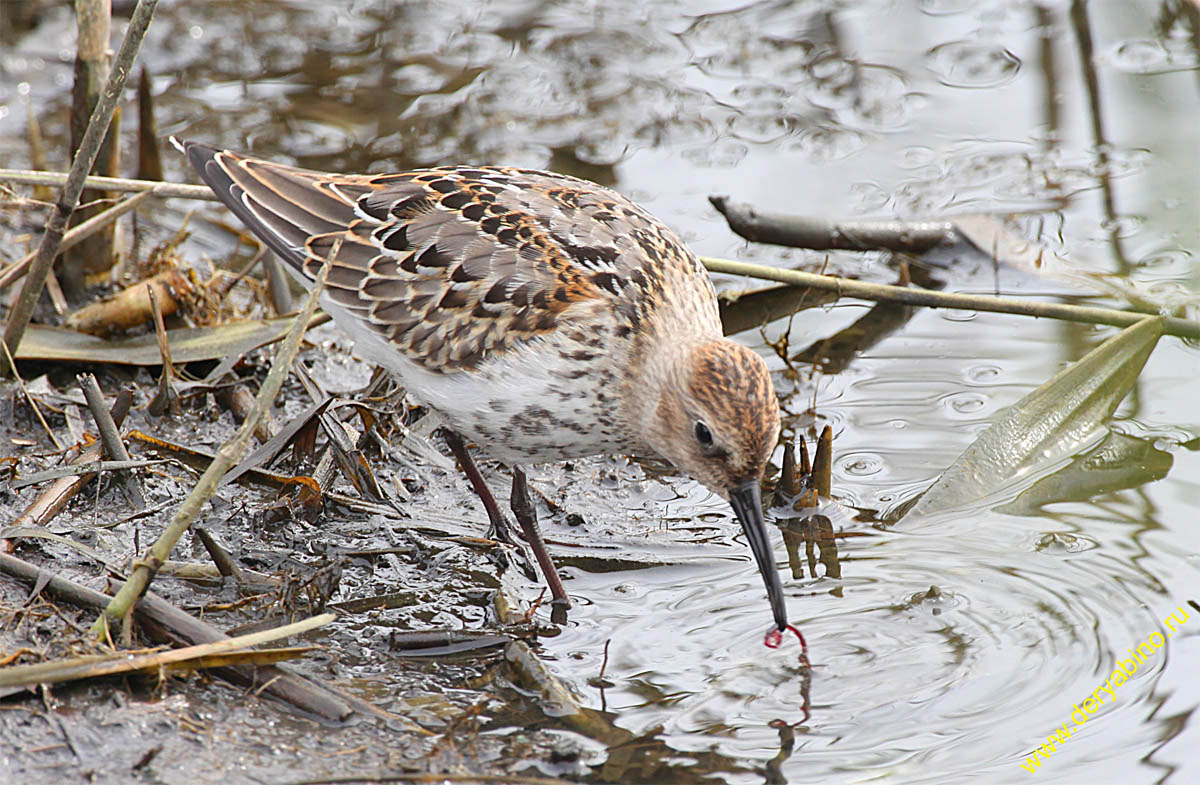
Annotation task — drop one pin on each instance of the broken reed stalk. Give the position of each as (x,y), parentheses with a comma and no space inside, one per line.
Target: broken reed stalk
(104,421)
(89,148)
(54,672)
(168,624)
(149,157)
(93,20)
(1183,328)
(111,438)
(220,556)
(226,458)
(822,467)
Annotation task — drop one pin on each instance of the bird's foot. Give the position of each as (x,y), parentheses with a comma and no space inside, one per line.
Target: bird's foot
(501,530)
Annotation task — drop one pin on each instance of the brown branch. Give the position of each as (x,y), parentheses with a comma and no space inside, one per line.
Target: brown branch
(168,624)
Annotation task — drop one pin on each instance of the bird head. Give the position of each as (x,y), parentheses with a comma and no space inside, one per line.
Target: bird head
(717,421)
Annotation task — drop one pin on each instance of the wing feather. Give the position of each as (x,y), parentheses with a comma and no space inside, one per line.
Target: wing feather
(454,265)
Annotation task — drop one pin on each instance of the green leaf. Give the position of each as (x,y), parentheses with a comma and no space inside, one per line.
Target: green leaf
(1048,425)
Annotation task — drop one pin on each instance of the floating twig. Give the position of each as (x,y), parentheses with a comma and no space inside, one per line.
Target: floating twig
(823,235)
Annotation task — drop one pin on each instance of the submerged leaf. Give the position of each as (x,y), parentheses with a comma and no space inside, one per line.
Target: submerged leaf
(1119,461)
(1048,425)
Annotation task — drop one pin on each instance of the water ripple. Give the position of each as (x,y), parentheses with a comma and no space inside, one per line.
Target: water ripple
(972,64)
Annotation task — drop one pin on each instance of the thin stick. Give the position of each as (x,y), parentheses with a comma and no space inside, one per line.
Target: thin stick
(221,557)
(227,457)
(104,421)
(54,671)
(119,184)
(55,293)
(1184,328)
(89,148)
(166,400)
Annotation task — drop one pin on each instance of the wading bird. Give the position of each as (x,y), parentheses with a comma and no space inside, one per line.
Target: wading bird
(544,317)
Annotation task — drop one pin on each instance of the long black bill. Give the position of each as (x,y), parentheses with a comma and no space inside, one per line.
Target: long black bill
(746,501)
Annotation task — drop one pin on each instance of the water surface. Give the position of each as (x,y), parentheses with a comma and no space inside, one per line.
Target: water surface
(949,647)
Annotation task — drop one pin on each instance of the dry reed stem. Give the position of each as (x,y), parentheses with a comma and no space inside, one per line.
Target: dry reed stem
(1183,328)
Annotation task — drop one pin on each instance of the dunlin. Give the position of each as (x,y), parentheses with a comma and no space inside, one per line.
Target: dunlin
(544,317)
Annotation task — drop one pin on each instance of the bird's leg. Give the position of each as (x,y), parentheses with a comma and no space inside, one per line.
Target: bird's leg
(501,529)
(522,507)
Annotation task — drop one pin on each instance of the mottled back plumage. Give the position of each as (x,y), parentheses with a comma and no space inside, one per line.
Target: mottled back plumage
(455,265)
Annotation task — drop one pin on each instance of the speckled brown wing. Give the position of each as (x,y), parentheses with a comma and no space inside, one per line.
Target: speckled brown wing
(455,264)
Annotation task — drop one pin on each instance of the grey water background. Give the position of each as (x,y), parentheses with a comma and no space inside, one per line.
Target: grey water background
(1078,118)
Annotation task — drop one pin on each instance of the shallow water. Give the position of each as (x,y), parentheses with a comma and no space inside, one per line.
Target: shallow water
(950,646)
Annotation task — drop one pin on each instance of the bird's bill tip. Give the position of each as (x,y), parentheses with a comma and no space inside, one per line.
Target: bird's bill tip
(746,500)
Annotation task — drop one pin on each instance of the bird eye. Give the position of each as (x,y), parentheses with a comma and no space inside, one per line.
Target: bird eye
(703,435)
